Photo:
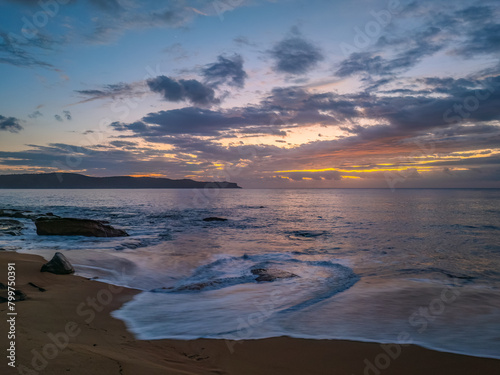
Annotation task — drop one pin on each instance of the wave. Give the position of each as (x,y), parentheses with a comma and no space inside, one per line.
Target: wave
(321,279)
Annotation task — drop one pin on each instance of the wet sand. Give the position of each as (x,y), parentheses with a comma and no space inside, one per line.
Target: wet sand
(68,329)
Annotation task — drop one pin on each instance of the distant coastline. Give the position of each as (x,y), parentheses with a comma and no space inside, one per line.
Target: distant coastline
(79,181)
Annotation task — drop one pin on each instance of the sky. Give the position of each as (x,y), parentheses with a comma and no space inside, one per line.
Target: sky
(265,93)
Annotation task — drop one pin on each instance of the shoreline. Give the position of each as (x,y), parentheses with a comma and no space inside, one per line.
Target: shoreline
(68,328)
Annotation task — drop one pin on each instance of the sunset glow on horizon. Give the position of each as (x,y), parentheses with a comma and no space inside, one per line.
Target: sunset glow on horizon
(277,94)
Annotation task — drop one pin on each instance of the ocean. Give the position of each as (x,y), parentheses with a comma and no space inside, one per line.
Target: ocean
(415,266)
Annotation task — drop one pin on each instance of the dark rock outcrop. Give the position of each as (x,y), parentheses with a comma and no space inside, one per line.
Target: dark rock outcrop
(271,274)
(9,227)
(213,218)
(58,265)
(76,227)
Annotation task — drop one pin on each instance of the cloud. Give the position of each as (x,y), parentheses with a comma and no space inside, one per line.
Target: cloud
(10,124)
(19,51)
(177,52)
(328,175)
(67,115)
(35,114)
(151,14)
(283,108)
(399,123)
(124,144)
(483,41)
(467,32)
(113,91)
(295,55)
(192,120)
(226,70)
(243,41)
(99,160)
(107,5)
(190,90)
(420,45)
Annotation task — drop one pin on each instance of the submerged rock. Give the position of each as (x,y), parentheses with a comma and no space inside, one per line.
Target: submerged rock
(19,214)
(58,265)
(213,218)
(307,234)
(271,274)
(200,286)
(9,227)
(76,227)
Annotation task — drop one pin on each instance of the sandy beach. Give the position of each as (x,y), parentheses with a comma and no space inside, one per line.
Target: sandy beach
(68,329)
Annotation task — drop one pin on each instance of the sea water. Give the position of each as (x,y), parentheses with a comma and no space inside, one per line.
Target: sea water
(414,265)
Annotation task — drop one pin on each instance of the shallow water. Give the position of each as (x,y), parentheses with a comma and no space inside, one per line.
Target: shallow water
(372,265)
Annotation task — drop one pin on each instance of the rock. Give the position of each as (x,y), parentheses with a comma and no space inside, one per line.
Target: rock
(18,296)
(18,214)
(58,265)
(271,274)
(9,227)
(213,218)
(37,287)
(201,286)
(76,227)
(307,234)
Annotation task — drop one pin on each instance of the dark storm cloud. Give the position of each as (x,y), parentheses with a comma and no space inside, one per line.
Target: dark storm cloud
(295,55)
(10,124)
(226,70)
(190,90)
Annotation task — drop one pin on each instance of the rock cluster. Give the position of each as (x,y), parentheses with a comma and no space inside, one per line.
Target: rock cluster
(76,227)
